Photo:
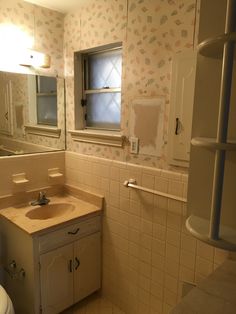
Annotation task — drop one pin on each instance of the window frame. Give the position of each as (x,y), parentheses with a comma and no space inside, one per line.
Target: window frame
(50,94)
(81,84)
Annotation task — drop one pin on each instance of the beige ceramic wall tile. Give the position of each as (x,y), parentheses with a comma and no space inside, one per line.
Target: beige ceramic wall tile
(34,166)
(187,259)
(186,274)
(220,256)
(205,251)
(148,181)
(188,243)
(173,237)
(203,266)
(146,258)
(158,261)
(159,231)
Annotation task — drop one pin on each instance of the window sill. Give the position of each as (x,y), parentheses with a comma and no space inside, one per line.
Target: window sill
(48,131)
(108,138)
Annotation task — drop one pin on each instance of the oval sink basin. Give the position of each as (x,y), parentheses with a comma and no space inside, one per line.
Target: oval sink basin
(50,211)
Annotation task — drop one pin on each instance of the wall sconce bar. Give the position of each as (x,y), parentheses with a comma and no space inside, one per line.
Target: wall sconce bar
(35,58)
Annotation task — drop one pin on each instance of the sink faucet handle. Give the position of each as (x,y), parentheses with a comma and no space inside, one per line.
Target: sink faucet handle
(42,199)
(42,194)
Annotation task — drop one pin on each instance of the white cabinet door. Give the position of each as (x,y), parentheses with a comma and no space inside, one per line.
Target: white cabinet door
(6,117)
(181,107)
(87,266)
(56,276)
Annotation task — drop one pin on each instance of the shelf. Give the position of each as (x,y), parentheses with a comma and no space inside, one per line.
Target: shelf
(210,143)
(20,179)
(199,228)
(213,47)
(54,173)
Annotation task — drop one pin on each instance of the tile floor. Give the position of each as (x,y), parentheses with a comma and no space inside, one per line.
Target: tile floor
(94,304)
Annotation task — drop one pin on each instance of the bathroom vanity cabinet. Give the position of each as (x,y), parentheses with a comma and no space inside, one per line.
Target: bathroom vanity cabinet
(62,265)
(70,272)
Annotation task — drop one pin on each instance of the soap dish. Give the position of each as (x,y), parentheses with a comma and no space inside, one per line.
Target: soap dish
(54,173)
(19,178)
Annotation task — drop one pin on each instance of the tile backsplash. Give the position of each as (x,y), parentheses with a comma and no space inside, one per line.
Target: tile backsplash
(147,252)
(35,168)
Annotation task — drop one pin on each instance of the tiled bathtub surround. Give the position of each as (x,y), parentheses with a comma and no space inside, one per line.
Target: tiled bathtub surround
(147,253)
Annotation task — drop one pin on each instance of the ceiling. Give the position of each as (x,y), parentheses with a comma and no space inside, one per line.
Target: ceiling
(63,6)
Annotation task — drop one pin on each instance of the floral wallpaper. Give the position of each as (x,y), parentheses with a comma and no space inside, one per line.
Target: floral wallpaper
(38,28)
(30,26)
(152,32)
(49,37)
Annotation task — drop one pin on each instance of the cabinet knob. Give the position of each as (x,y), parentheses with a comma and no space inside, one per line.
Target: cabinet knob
(74,232)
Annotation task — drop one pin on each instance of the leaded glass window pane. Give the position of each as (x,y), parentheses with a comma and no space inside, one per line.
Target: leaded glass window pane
(46,84)
(46,100)
(47,110)
(104,69)
(102,88)
(103,110)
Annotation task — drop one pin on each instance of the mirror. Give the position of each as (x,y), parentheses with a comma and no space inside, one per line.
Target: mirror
(32,113)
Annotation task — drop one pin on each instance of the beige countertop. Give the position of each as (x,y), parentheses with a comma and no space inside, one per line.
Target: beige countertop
(17,214)
(214,295)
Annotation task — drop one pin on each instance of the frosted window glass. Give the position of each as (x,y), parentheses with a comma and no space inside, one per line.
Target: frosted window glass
(47,110)
(103,110)
(105,69)
(46,84)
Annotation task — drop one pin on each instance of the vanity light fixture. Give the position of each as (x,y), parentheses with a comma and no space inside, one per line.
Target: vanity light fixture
(35,59)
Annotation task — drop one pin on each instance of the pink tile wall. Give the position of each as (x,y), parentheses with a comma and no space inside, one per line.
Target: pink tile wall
(147,252)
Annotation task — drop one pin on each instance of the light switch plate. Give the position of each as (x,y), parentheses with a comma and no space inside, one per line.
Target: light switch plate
(134,145)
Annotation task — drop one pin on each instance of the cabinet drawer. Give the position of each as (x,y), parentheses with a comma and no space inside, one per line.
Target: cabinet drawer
(69,234)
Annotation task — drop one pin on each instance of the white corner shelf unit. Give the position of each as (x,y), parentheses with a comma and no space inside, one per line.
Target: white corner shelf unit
(211,143)
(214,221)
(214,47)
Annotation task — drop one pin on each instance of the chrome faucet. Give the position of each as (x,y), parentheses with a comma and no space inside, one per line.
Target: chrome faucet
(42,200)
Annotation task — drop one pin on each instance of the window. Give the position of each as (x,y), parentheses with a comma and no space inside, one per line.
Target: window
(101,88)
(46,100)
